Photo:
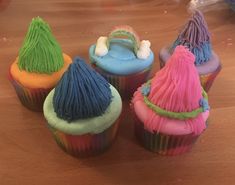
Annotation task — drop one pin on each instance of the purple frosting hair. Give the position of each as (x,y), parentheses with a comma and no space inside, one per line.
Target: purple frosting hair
(196,37)
(196,31)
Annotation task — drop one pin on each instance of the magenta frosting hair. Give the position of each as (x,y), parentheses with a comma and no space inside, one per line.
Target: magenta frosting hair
(176,88)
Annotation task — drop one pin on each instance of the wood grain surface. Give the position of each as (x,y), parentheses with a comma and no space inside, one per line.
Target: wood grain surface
(28,153)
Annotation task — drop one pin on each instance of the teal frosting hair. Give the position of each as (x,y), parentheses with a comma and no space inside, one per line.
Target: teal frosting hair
(81,93)
(40,52)
(196,37)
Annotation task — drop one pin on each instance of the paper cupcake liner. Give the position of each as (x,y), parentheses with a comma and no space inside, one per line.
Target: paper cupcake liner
(206,80)
(162,143)
(125,84)
(31,98)
(87,144)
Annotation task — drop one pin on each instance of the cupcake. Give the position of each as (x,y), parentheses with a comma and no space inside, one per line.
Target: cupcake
(39,66)
(83,111)
(171,109)
(196,37)
(125,63)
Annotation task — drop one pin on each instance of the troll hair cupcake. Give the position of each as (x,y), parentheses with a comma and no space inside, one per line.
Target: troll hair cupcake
(125,63)
(171,109)
(83,111)
(196,37)
(39,66)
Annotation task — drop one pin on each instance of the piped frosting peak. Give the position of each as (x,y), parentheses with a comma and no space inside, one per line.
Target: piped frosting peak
(175,92)
(196,37)
(40,52)
(81,93)
(177,86)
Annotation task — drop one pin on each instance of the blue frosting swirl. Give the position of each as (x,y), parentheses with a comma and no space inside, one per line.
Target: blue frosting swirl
(81,93)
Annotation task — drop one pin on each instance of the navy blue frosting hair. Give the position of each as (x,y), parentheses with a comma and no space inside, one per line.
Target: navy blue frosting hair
(81,93)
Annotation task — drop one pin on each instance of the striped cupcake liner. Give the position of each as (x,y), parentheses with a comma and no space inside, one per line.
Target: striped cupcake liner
(31,98)
(206,80)
(87,144)
(125,84)
(161,143)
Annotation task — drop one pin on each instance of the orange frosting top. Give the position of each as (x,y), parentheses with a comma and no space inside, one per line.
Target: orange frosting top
(36,80)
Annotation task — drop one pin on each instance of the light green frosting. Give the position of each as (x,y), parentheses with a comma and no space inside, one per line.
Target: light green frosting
(40,52)
(93,125)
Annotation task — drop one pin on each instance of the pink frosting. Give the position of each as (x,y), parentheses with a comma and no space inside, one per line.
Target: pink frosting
(174,88)
(170,126)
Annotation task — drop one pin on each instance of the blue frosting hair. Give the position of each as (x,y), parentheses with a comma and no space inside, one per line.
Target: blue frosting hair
(81,93)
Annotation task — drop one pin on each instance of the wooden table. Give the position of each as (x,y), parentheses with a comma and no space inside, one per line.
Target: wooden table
(28,153)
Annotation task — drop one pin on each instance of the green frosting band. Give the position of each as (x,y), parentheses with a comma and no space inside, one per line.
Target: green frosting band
(40,52)
(129,35)
(174,115)
(93,125)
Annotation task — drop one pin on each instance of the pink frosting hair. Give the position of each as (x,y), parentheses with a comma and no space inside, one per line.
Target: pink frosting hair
(175,88)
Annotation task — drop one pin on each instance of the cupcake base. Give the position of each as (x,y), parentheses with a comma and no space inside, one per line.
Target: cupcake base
(161,143)
(208,79)
(31,98)
(87,144)
(125,84)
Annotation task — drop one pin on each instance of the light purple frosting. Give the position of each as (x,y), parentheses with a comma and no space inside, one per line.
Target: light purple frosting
(195,32)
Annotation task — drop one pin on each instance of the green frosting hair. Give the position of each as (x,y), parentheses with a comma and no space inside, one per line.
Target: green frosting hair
(40,52)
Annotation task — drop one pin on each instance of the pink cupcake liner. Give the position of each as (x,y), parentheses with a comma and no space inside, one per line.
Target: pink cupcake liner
(163,144)
(206,80)
(87,144)
(125,84)
(31,98)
